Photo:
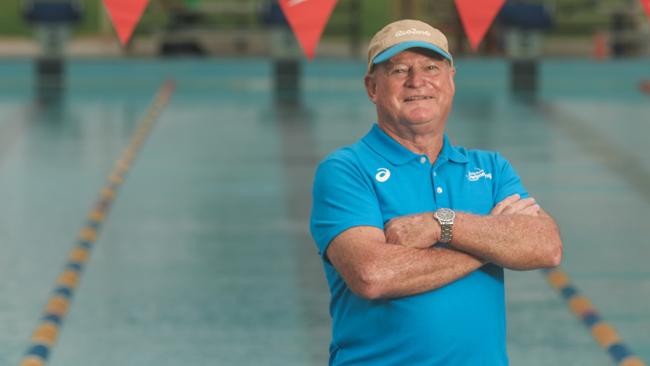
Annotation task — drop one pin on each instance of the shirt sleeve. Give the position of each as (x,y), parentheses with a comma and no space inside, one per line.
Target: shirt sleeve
(342,198)
(508,182)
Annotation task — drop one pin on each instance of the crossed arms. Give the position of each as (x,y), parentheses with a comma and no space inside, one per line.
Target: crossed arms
(402,260)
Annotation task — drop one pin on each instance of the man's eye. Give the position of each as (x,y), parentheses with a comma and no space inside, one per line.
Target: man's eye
(399,70)
(433,68)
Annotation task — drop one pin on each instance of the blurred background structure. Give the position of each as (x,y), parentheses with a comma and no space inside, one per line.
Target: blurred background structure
(206,257)
(238,28)
(524,31)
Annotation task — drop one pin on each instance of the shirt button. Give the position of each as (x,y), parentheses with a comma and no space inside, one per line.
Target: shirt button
(423,159)
(439,190)
(435,174)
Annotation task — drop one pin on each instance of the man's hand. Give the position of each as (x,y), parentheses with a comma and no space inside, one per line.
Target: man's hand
(516,205)
(414,231)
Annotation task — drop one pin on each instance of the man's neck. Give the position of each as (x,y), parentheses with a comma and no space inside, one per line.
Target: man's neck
(427,143)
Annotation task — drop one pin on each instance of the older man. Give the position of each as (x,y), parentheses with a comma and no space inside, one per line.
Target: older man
(414,232)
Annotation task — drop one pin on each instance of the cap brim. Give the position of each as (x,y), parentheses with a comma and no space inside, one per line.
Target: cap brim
(394,50)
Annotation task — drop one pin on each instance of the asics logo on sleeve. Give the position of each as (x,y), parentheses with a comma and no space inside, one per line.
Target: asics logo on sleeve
(382,175)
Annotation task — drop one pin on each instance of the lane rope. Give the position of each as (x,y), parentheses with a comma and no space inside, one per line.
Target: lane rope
(604,333)
(47,331)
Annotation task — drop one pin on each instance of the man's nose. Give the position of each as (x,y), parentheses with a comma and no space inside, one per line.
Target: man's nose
(416,78)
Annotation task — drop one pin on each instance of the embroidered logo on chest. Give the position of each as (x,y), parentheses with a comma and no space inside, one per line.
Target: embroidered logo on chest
(382,175)
(478,174)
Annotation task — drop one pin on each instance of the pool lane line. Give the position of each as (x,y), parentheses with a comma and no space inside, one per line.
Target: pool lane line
(631,170)
(46,333)
(603,332)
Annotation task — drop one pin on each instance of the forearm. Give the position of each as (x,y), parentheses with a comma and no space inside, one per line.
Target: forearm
(398,271)
(518,242)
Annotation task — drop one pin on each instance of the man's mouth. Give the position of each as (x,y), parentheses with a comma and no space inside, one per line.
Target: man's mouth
(414,98)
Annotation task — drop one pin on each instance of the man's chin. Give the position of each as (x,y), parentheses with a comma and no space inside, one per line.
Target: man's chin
(422,120)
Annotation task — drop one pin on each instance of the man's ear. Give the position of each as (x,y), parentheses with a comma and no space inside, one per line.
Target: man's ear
(452,77)
(371,86)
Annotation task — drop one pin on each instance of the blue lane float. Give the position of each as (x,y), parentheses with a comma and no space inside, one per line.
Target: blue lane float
(603,332)
(46,333)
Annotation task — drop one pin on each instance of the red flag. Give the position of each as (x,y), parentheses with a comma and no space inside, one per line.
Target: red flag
(125,15)
(646,6)
(307,19)
(477,16)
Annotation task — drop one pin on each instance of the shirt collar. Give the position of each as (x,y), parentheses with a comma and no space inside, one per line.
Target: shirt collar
(451,152)
(396,154)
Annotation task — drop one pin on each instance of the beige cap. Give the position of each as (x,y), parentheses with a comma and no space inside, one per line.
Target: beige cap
(402,35)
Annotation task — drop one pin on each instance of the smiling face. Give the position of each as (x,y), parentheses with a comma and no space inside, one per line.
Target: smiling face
(412,90)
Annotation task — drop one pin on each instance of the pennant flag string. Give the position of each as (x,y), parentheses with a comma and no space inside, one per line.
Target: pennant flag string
(125,15)
(477,16)
(307,19)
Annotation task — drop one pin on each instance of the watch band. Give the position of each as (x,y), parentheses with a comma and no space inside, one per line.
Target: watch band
(445,233)
(445,218)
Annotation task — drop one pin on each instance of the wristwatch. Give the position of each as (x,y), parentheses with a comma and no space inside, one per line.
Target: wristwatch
(445,218)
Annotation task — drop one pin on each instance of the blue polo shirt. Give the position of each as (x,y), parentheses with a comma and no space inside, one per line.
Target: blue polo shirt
(375,180)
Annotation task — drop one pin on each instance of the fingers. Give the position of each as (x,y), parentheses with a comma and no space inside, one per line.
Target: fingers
(396,230)
(514,204)
(533,210)
(416,231)
(389,232)
(498,209)
(518,206)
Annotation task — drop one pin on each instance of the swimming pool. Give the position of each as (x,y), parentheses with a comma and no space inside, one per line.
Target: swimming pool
(206,257)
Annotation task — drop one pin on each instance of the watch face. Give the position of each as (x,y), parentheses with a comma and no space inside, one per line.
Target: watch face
(445,214)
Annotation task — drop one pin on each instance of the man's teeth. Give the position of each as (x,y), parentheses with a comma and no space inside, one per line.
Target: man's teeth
(419,97)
